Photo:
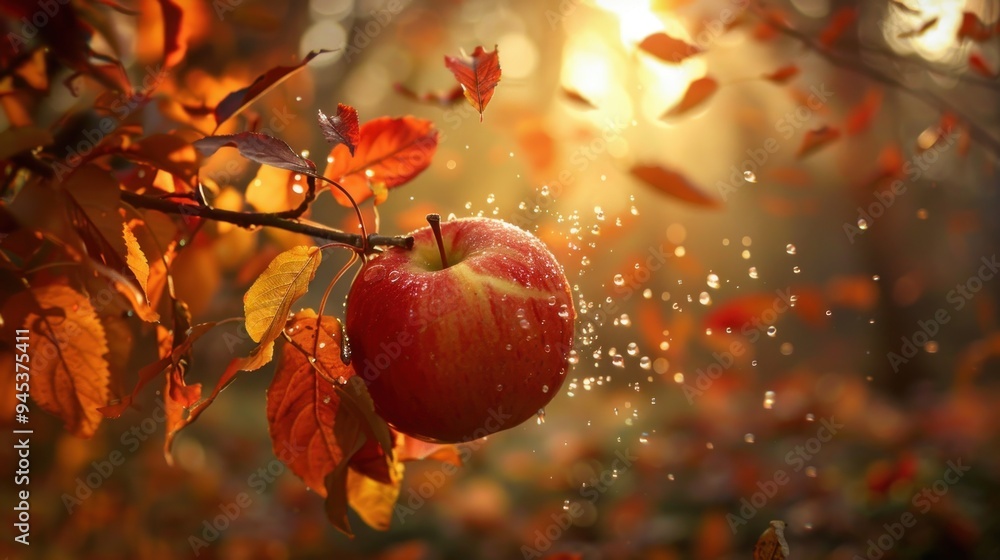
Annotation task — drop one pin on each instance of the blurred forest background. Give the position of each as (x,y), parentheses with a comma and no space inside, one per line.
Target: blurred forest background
(782,336)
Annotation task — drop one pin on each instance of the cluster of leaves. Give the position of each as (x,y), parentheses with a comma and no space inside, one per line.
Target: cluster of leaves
(90,241)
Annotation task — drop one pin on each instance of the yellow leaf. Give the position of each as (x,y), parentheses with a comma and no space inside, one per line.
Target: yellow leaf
(69,371)
(373,500)
(270,298)
(772,545)
(136,259)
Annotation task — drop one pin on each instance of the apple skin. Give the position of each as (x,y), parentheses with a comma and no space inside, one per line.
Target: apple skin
(455,354)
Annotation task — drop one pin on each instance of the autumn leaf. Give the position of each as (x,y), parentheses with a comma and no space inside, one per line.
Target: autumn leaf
(478,75)
(373,500)
(342,128)
(863,113)
(70,373)
(135,258)
(815,139)
(783,74)
(260,148)
(173,47)
(920,30)
(697,93)
(236,101)
(839,22)
(577,98)
(979,65)
(392,151)
(270,298)
(973,28)
(673,184)
(772,544)
(440,99)
(667,48)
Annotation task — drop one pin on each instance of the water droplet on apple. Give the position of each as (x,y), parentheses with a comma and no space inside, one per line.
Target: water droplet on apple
(548,348)
(499,387)
(619,280)
(374,273)
(509,347)
(748,438)
(545,388)
(393,275)
(326,399)
(525,324)
(342,380)
(552,300)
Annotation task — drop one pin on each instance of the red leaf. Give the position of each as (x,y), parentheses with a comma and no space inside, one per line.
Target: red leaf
(392,151)
(979,65)
(577,98)
(697,93)
(920,30)
(478,76)
(861,116)
(815,139)
(343,128)
(673,184)
(258,147)
(173,48)
(973,28)
(236,101)
(839,23)
(439,99)
(667,48)
(783,74)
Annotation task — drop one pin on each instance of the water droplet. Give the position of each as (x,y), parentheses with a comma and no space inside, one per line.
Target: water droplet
(753,272)
(573,358)
(862,224)
(678,377)
(618,361)
(811,472)
(704,298)
(790,249)
(566,505)
(749,177)
(585,261)
(796,269)
(810,417)
(645,362)
(769,400)
(875,277)
(545,388)
(541,416)
(670,476)
(544,190)
(326,399)
(499,387)
(828,312)
(619,280)
(713,281)
(525,324)
(644,438)
(342,380)
(632,349)
(748,438)
(595,230)
(374,273)
(599,213)
(490,198)
(772,331)
(394,275)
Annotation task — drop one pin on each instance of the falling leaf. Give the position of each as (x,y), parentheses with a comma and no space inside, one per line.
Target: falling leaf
(135,258)
(673,184)
(71,380)
(864,112)
(697,93)
(783,74)
(973,28)
(979,65)
(772,545)
(258,147)
(478,75)
(391,151)
(577,98)
(270,298)
(839,22)
(174,47)
(236,101)
(815,139)
(667,48)
(440,99)
(920,30)
(373,500)
(341,129)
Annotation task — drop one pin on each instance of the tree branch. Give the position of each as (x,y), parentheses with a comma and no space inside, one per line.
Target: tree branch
(251,219)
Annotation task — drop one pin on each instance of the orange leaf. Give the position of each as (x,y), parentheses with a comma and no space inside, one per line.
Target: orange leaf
(861,116)
(815,139)
(135,258)
(577,98)
(839,23)
(70,376)
(391,151)
(478,75)
(673,184)
(343,128)
(772,544)
(783,74)
(973,28)
(979,65)
(374,500)
(697,93)
(667,48)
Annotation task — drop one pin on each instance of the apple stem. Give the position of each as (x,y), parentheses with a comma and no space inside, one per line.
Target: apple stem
(435,221)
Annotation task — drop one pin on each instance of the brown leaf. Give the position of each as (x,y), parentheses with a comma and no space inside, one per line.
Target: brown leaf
(70,373)
(839,22)
(772,545)
(392,151)
(697,93)
(667,48)
(258,147)
(577,98)
(783,74)
(236,101)
(920,30)
(478,75)
(439,99)
(270,298)
(815,139)
(135,258)
(673,184)
(343,128)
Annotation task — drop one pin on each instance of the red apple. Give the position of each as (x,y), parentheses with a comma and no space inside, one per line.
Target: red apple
(454,353)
